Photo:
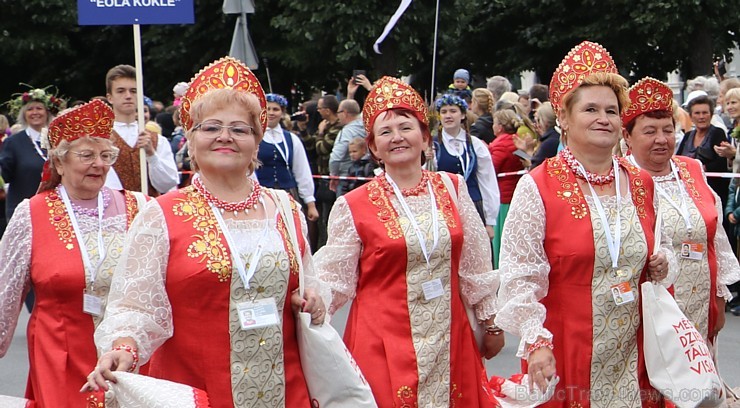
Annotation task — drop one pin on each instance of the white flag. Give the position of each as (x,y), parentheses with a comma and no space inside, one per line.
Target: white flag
(388,27)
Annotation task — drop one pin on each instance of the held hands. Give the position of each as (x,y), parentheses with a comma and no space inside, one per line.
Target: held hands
(114,360)
(541,367)
(310,303)
(493,339)
(658,267)
(145,142)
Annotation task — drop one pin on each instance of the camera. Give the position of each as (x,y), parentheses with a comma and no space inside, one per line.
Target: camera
(298,117)
(357,72)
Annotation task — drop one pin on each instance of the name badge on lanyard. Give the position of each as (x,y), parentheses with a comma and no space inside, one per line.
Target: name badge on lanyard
(258,313)
(692,250)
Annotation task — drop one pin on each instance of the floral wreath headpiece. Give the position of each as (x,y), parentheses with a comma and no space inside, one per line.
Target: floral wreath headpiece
(391,93)
(226,72)
(648,95)
(278,99)
(51,101)
(450,99)
(585,59)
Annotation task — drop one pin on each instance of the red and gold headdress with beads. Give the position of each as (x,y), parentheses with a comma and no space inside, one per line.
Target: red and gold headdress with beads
(226,72)
(93,119)
(648,95)
(391,93)
(584,59)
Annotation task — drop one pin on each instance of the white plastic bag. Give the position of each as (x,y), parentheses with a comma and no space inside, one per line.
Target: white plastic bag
(677,358)
(333,377)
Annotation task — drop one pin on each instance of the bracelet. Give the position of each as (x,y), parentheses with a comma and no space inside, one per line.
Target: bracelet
(538,345)
(493,330)
(134,353)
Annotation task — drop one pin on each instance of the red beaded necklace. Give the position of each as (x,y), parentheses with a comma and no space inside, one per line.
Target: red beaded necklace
(593,178)
(406,192)
(251,202)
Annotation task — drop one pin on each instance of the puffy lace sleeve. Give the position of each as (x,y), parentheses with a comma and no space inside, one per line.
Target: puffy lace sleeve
(337,261)
(524,268)
(478,281)
(15,268)
(310,275)
(728,270)
(138,306)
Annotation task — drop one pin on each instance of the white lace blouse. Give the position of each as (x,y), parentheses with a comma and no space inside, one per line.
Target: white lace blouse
(15,261)
(338,260)
(524,266)
(138,304)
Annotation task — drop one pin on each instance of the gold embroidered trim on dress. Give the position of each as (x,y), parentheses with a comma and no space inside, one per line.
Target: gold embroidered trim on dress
(639,192)
(443,199)
(132,208)
(59,219)
(683,172)
(406,395)
(570,192)
(283,230)
(207,245)
(386,214)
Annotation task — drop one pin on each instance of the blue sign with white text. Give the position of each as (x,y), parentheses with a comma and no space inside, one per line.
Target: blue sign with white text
(130,12)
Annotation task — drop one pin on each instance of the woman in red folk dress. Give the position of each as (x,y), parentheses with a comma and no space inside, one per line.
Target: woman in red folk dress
(65,243)
(576,246)
(691,210)
(410,250)
(207,286)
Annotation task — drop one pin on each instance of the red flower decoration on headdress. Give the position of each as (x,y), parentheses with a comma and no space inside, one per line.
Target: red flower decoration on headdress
(584,59)
(648,95)
(391,93)
(226,72)
(91,119)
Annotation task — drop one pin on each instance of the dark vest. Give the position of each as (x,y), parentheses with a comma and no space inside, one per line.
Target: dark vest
(274,171)
(449,163)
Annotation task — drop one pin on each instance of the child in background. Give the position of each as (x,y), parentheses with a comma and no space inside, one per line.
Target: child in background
(362,164)
(460,85)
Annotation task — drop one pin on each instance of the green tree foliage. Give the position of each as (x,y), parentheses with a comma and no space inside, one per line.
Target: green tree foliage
(316,44)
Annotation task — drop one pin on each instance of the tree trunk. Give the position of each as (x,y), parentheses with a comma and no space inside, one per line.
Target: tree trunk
(700,58)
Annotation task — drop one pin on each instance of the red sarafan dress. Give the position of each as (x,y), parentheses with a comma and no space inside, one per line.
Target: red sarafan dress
(413,351)
(177,293)
(699,280)
(556,279)
(40,249)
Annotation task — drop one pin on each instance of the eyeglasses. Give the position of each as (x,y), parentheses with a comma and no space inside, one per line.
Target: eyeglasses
(88,157)
(214,129)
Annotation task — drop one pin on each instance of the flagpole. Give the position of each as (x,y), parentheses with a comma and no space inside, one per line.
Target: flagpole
(432,94)
(140,106)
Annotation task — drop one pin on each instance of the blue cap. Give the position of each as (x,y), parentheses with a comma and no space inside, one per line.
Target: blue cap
(462,74)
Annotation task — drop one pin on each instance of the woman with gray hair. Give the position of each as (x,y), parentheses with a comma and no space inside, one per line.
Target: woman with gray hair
(64,243)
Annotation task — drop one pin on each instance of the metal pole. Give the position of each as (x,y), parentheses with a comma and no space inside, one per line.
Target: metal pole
(434,52)
(267,69)
(140,106)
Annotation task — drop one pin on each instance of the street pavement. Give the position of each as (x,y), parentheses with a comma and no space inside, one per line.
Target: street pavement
(14,366)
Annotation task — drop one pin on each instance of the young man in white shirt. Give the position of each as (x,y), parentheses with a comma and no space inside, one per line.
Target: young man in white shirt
(120,84)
